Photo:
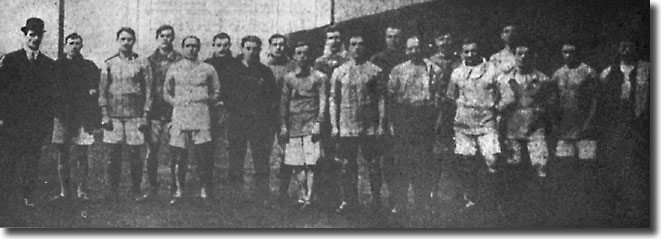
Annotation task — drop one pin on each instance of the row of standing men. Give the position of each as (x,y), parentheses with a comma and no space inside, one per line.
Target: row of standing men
(421,115)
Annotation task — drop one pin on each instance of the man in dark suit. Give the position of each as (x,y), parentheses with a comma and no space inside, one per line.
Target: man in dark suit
(27,90)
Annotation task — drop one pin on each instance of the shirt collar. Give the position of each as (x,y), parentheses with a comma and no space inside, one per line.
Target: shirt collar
(193,61)
(274,60)
(172,56)
(226,56)
(448,56)
(75,58)
(298,70)
(29,52)
(393,52)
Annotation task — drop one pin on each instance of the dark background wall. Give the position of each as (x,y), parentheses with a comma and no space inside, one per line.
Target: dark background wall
(598,24)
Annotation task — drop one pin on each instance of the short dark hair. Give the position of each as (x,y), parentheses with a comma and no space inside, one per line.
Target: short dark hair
(413,36)
(127,30)
(302,43)
(251,38)
(627,38)
(73,36)
(333,28)
(393,27)
(163,28)
(221,35)
(357,33)
(277,35)
(508,24)
(190,37)
(442,32)
(572,41)
(523,41)
(470,40)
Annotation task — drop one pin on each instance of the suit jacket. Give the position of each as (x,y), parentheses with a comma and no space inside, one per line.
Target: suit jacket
(27,94)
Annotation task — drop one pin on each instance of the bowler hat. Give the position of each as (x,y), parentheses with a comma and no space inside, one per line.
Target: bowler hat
(34,24)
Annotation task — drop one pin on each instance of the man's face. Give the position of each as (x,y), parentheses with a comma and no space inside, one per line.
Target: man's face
(277,46)
(444,42)
(72,46)
(470,53)
(251,50)
(33,39)
(508,33)
(626,49)
(334,40)
(302,56)
(190,48)
(569,53)
(393,38)
(523,55)
(221,46)
(413,49)
(126,41)
(357,47)
(165,38)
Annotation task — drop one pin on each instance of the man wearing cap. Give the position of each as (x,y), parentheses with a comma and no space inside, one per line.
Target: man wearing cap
(78,116)
(27,82)
(161,113)
(125,100)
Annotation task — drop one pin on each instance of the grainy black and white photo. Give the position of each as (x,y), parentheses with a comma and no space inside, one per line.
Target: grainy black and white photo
(366,114)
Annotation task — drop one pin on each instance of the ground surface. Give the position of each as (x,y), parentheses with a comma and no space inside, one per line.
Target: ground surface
(566,198)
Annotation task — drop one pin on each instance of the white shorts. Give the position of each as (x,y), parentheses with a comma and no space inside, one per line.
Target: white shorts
(467,144)
(125,130)
(536,145)
(302,151)
(187,138)
(81,138)
(586,148)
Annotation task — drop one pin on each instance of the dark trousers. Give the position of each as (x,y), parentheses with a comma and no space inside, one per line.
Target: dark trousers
(157,138)
(256,131)
(412,163)
(347,153)
(72,158)
(624,160)
(470,173)
(22,159)
(327,191)
(115,167)
(412,160)
(285,171)
(180,165)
